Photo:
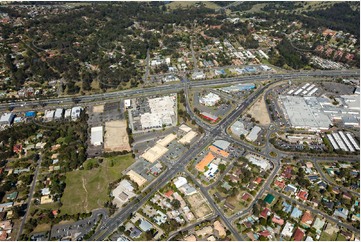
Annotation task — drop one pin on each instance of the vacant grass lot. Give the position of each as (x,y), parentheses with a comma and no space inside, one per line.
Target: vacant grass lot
(88,189)
(327,237)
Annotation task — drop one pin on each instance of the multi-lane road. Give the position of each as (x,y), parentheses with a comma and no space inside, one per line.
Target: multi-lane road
(179,86)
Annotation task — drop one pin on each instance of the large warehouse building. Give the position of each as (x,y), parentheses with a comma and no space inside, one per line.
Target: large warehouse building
(162,112)
(96,135)
(318,113)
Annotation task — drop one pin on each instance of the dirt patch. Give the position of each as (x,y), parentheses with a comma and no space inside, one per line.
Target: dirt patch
(86,197)
(98,109)
(199,205)
(259,111)
(116,137)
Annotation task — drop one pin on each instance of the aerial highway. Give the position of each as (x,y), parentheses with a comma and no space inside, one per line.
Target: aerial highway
(179,86)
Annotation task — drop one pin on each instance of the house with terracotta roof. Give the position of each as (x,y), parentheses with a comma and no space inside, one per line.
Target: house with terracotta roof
(306,219)
(258,180)
(302,194)
(265,213)
(17,148)
(280,183)
(245,196)
(277,220)
(205,162)
(168,194)
(298,235)
(265,233)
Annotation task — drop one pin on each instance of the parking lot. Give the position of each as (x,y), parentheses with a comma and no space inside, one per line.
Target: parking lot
(77,230)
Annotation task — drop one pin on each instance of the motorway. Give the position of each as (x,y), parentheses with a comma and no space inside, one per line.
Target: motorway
(178,86)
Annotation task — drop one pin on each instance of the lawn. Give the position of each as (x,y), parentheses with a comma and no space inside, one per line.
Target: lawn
(88,189)
(327,237)
(340,237)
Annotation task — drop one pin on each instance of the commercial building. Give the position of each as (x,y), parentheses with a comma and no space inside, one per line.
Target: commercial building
(180,181)
(49,115)
(221,144)
(303,115)
(209,116)
(67,113)
(7,118)
(198,75)
(75,113)
(253,135)
(238,88)
(123,192)
(154,153)
(135,177)
(218,151)
(185,128)
(186,139)
(58,113)
(210,99)
(259,161)
(96,135)
(205,162)
(238,129)
(166,140)
(318,113)
(211,171)
(162,112)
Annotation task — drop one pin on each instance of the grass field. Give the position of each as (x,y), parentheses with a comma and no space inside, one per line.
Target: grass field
(326,237)
(174,5)
(88,189)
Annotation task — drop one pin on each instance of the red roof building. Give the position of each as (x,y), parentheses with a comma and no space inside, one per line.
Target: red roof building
(17,148)
(280,184)
(245,196)
(169,193)
(55,212)
(302,195)
(298,235)
(265,213)
(209,116)
(258,180)
(278,220)
(265,233)
(307,219)
(287,172)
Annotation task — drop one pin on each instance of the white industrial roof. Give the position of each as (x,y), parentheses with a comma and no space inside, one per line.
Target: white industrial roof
(96,135)
(253,135)
(58,113)
(180,181)
(238,128)
(222,144)
(6,117)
